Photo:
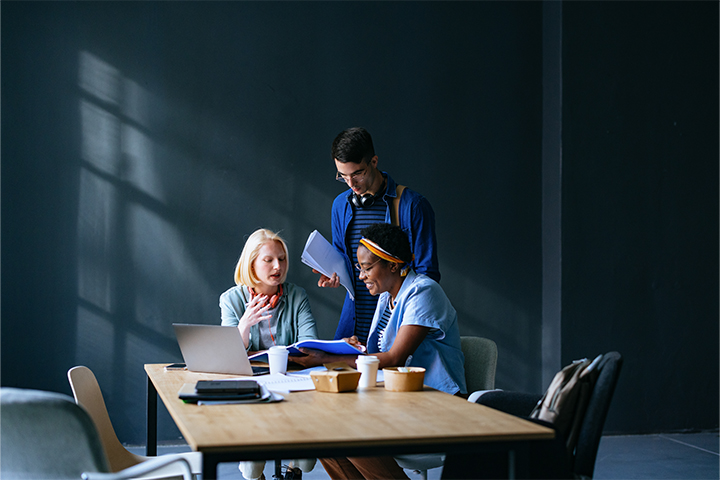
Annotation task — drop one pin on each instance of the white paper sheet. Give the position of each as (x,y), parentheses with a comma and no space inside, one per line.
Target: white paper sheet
(285,383)
(322,256)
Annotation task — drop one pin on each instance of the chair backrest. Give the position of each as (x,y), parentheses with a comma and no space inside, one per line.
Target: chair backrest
(480,362)
(45,435)
(597,409)
(87,393)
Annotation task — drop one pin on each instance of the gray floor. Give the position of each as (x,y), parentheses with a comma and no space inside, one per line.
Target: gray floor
(666,456)
(690,456)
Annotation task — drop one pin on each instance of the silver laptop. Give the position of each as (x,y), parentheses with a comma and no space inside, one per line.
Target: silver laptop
(214,349)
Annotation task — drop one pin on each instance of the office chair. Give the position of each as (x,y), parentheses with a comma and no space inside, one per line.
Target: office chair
(480,366)
(87,393)
(552,460)
(480,363)
(45,435)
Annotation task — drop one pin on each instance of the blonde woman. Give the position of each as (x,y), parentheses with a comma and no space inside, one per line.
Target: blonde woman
(266,309)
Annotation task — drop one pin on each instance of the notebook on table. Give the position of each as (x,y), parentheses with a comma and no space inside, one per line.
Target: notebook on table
(214,349)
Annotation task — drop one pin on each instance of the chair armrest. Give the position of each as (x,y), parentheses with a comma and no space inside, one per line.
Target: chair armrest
(475,396)
(420,461)
(515,403)
(143,468)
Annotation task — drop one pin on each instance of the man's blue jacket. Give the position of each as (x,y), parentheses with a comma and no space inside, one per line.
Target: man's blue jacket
(416,218)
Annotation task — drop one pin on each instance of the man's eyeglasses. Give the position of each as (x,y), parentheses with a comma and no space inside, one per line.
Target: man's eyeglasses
(355,176)
(366,270)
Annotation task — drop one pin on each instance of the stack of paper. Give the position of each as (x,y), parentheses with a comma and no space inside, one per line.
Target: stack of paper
(323,257)
(279,382)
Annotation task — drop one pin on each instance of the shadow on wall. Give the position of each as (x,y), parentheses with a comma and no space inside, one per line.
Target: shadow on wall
(155,213)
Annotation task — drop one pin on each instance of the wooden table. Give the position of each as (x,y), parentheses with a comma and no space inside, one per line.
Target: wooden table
(316,424)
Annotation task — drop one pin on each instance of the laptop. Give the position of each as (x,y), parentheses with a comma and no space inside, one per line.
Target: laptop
(214,349)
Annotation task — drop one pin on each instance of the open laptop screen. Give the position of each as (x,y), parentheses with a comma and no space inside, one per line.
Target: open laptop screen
(214,349)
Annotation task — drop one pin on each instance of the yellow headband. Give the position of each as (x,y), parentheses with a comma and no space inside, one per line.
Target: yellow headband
(378,251)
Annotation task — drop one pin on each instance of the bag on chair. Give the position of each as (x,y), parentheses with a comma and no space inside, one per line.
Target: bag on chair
(566,399)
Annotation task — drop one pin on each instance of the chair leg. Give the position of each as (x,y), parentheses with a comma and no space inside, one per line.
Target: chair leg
(292,471)
(422,473)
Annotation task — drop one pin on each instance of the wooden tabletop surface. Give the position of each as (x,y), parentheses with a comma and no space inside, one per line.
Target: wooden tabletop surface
(352,419)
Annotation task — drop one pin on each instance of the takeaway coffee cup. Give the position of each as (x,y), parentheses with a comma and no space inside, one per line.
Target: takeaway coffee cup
(367,365)
(278,359)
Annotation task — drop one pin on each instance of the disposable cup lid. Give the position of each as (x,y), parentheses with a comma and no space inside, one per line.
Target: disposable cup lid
(367,359)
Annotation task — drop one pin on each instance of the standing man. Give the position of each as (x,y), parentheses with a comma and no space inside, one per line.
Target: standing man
(373,197)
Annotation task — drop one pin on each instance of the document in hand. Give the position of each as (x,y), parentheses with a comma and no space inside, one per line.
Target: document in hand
(337,347)
(323,257)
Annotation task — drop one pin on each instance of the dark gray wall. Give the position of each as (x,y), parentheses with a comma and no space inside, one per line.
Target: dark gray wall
(142,142)
(640,204)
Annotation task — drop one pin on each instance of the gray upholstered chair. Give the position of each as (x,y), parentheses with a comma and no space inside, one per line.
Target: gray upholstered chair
(480,366)
(46,435)
(481,356)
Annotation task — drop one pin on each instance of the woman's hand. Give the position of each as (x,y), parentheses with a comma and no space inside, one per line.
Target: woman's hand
(255,313)
(325,281)
(312,358)
(355,343)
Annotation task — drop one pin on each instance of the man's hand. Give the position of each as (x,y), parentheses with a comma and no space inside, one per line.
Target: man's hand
(325,281)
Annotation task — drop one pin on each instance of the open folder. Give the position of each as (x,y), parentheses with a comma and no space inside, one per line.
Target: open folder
(336,347)
(323,257)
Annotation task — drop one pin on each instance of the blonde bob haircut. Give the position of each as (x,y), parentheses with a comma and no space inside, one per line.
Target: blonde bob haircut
(244,272)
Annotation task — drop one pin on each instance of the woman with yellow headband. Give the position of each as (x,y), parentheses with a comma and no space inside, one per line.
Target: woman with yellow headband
(414,325)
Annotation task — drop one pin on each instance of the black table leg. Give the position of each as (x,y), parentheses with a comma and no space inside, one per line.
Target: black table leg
(151,445)
(521,459)
(209,467)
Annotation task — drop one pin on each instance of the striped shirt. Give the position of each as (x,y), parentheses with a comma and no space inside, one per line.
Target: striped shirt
(382,324)
(364,302)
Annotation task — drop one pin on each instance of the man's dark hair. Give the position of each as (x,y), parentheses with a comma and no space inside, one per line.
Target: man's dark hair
(390,238)
(353,145)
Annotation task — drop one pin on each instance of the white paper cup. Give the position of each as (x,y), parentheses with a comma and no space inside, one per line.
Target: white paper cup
(367,365)
(278,359)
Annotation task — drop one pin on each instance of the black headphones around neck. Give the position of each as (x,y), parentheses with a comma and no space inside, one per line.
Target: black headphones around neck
(367,200)
(362,201)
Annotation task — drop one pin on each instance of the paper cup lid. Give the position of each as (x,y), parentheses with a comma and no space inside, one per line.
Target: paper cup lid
(367,359)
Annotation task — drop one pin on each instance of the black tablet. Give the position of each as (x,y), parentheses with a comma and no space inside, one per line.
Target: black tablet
(237,387)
